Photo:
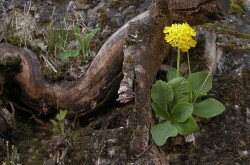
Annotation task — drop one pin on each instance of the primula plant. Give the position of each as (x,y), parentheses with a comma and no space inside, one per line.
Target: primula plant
(59,122)
(177,101)
(84,40)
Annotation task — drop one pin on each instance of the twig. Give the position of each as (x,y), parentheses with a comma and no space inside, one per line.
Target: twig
(49,64)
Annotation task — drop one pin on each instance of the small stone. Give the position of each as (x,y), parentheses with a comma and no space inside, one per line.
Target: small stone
(112,140)
(190,138)
(245,153)
(30,150)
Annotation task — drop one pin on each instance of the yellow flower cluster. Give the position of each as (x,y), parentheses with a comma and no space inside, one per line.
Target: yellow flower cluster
(181,36)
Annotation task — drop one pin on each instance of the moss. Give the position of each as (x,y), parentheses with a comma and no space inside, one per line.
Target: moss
(236,7)
(103,16)
(238,47)
(11,61)
(50,75)
(15,40)
(224,28)
(115,4)
(10,65)
(129,59)
(102,12)
(59,76)
(235,33)
(82,1)
(131,12)
(89,3)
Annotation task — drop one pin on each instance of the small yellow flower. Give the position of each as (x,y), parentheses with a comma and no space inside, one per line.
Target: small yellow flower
(181,36)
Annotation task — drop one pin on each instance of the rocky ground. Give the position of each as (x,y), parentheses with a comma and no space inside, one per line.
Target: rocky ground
(104,137)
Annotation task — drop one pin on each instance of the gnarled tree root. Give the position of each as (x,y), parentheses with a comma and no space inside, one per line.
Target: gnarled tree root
(102,79)
(98,84)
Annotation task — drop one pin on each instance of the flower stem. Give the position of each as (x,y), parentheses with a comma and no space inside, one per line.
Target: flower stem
(178,62)
(189,69)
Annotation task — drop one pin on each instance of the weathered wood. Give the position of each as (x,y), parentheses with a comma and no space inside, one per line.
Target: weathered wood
(98,84)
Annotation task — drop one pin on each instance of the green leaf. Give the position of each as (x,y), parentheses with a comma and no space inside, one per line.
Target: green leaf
(181,112)
(68,54)
(208,108)
(160,112)
(94,32)
(55,130)
(58,38)
(201,83)
(62,127)
(77,31)
(190,93)
(172,73)
(58,117)
(162,131)
(161,93)
(75,137)
(187,127)
(63,113)
(53,122)
(181,90)
(87,39)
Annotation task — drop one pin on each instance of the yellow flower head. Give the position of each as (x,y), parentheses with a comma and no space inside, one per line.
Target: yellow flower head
(181,36)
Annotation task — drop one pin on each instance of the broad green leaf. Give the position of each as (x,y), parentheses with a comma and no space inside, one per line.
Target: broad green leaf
(161,93)
(172,73)
(160,112)
(190,93)
(201,83)
(208,108)
(71,53)
(162,131)
(187,127)
(181,112)
(181,90)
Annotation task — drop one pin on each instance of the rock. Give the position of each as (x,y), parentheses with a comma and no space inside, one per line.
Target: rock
(2,149)
(247,7)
